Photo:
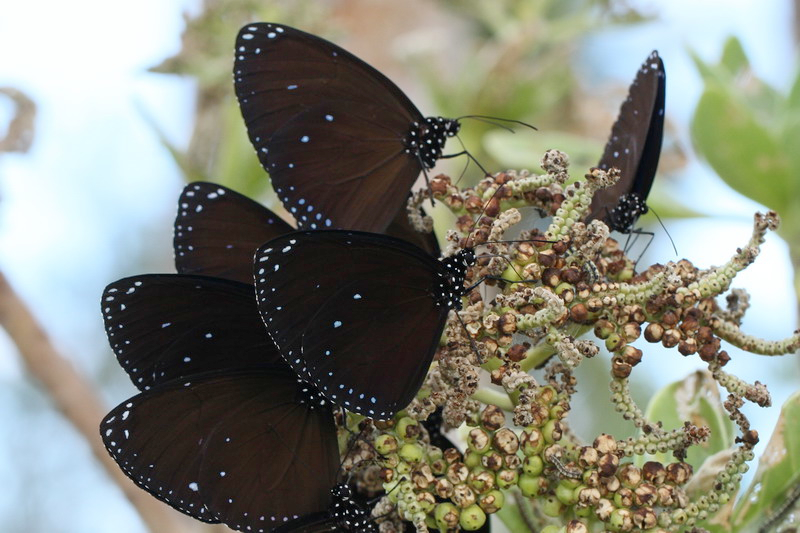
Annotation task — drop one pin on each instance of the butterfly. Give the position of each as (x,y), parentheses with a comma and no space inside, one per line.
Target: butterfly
(217,230)
(342,144)
(634,148)
(358,314)
(222,430)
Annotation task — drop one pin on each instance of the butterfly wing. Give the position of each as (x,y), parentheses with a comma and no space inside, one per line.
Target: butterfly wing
(634,146)
(327,127)
(217,230)
(353,311)
(237,448)
(168,326)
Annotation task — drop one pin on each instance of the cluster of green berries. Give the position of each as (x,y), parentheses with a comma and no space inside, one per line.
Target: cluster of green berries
(432,485)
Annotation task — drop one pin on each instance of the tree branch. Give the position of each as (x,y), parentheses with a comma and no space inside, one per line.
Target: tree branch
(74,396)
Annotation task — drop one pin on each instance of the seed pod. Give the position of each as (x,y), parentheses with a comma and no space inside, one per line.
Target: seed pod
(624,497)
(443,488)
(605,444)
(493,418)
(531,486)
(507,478)
(481,481)
(653,332)
(492,461)
(607,464)
(631,331)
(532,442)
(505,441)
(408,429)
(629,475)
(646,495)
(533,465)
(463,496)
(472,518)
(447,516)
(386,444)
(478,440)
(492,501)
(457,473)
(411,453)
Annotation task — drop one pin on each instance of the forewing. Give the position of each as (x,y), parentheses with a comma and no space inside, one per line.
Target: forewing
(280,72)
(366,299)
(635,142)
(327,127)
(169,326)
(217,230)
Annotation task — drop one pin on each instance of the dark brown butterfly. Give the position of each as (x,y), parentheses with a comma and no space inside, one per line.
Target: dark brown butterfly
(359,314)
(342,144)
(634,148)
(223,429)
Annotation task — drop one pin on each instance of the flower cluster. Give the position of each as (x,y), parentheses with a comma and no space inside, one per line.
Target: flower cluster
(570,278)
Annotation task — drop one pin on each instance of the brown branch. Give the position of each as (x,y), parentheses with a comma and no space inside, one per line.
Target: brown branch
(74,396)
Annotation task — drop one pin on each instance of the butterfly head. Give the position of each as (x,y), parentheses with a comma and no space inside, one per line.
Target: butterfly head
(628,210)
(425,140)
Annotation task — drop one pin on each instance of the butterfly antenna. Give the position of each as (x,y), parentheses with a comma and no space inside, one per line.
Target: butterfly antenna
(469,155)
(489,120)
(675,248)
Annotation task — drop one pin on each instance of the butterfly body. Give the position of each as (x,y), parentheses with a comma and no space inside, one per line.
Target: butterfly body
(342,144)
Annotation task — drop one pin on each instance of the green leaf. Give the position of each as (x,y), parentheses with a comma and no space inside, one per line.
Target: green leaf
(695,399)
(734,58)
(778,474)
(746,155)
(524,150)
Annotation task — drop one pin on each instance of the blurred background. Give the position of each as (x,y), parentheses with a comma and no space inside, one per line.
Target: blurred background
(108,108)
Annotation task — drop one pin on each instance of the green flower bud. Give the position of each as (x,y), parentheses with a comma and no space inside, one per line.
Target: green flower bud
(472,459)
(492,501)
(552,506)
(531,486)
(621,520)
(403,468)
(506,478)
(407,429)
(481,480)
(566,493)
(614,342)
(446,515)
(411,453)
(386,444)
(532,442)
(533,465)
(552,431)
(472,518)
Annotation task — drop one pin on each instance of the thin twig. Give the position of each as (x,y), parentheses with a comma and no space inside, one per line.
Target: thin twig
(74,396)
